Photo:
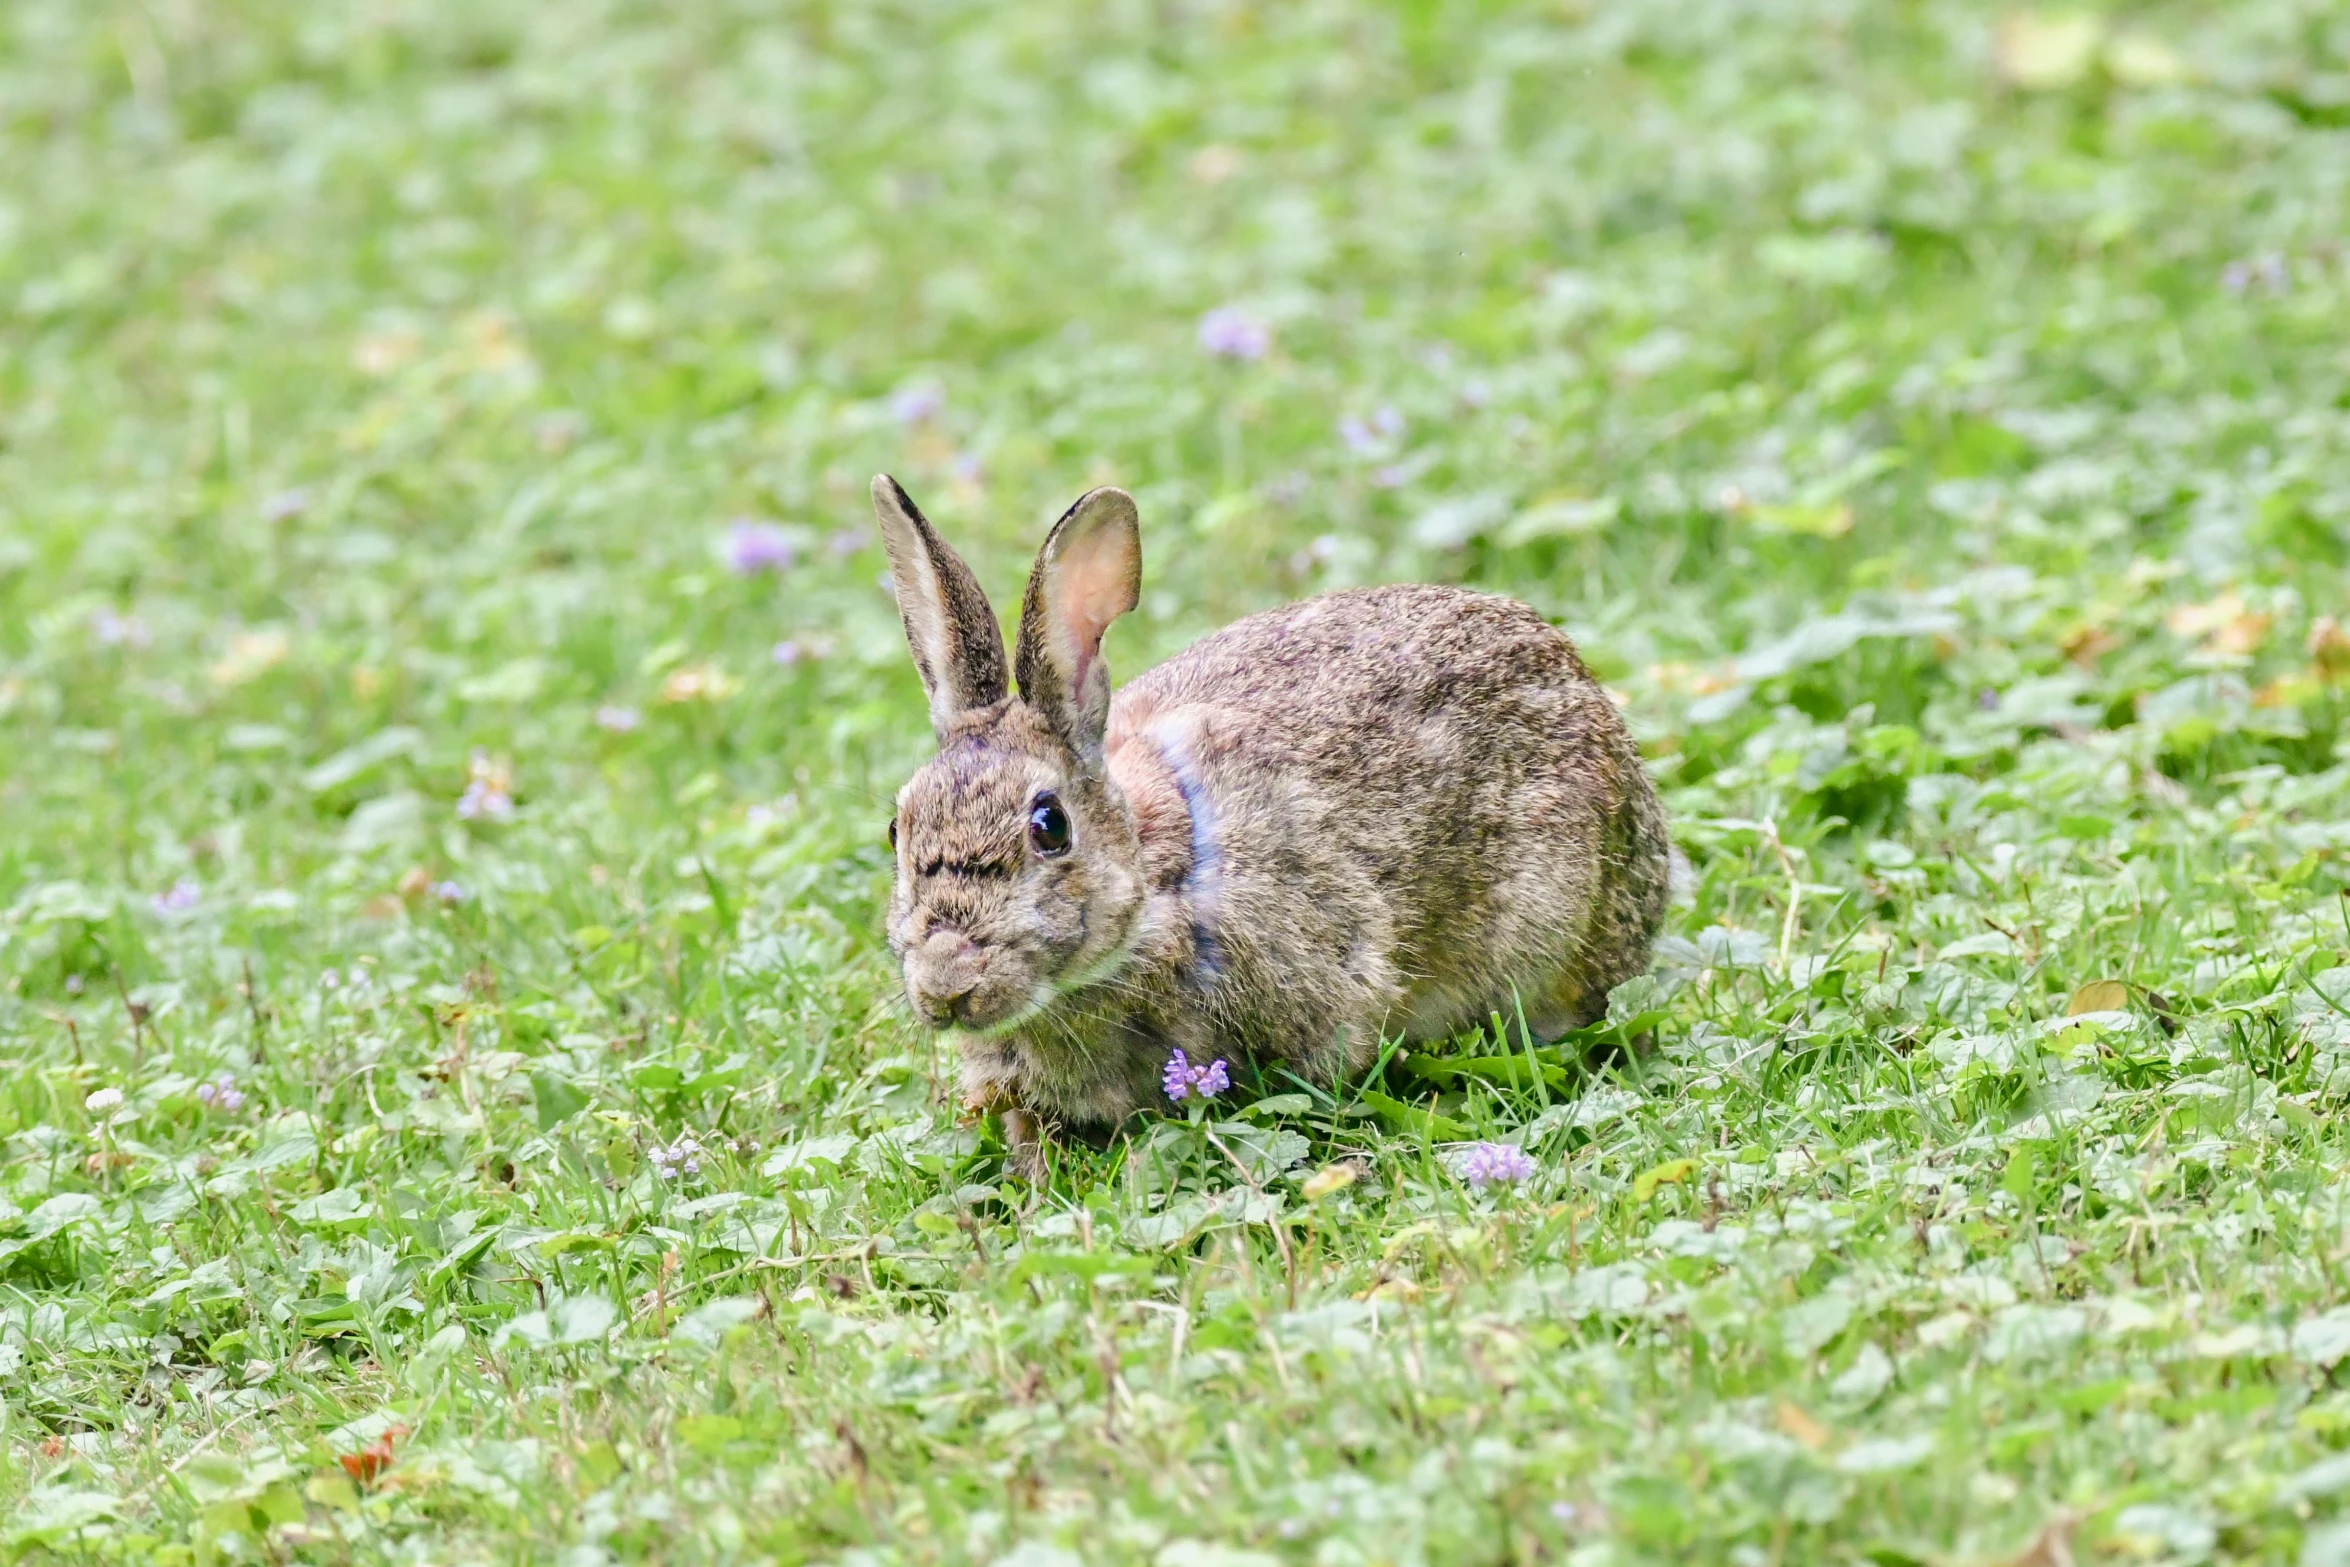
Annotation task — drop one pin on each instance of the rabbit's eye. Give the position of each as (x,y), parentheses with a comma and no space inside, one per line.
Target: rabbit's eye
(1048,826)
(893,832)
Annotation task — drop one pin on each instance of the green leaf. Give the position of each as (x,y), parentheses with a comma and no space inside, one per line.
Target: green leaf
(342,1208)
(1427,1125)
(555,1098)
(1509,1071)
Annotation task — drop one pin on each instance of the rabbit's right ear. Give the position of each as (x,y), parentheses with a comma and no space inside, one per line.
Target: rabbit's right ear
(1087,575)
(957,645)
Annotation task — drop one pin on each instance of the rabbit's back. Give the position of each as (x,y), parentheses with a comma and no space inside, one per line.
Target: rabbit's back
(1426,784)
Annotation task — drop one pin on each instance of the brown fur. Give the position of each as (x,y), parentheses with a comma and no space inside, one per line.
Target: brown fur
(1387,811)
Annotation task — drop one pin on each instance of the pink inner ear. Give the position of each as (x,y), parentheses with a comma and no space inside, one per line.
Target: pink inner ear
(1095,589)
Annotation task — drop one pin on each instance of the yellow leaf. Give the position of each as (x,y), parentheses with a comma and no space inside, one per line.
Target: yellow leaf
(331,1488)
(2099,995)
(2289,691)
(2329,647)
(250,654)
(2223,624)
(2042,53)
(1331,1178)
(1403,1291)
(1671,1173)
(1820,522)
(2085,644)
(1802,1426)
(698,683)
(2137,60)
(382,352)
(1214,164)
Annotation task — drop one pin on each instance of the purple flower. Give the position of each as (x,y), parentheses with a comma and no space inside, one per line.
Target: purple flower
(1358,436)
(446,892)
(755,547)
(489,790)
(182,896)
(114,630)
(285,504)
(1185,1081)
(619,720)
(222,1095)
(917,404)
(792,651)
(681,1158)
(848,541)
(1483,1164)
(2268,269)
(484,799)
(1230,332)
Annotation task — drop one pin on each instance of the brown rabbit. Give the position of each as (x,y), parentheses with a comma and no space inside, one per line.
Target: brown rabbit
(1386,811)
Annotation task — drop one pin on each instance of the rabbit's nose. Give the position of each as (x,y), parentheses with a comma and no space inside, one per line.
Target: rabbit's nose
(945,970)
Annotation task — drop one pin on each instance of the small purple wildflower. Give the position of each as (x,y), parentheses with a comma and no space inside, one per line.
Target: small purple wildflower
(681,1158)
(617,719)
(1488,1163)
(113,630)
(755,547)
(765,814)
(330,980)
(285,504)
(918,404)
(1185,1081)
(2268,269)
(1230,332)
(73,984)
(483,799)
(1357,436)
(182,896)
(222,1095)
(446,892)
(1391,476)
(489,793)
(848,541)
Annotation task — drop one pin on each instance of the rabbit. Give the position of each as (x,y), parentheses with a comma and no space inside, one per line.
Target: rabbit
(1383,812)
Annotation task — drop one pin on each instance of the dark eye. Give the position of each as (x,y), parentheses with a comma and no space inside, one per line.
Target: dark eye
(1048,825)
(893,832)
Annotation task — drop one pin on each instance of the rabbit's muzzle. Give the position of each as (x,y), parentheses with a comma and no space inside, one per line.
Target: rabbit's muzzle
(952,981)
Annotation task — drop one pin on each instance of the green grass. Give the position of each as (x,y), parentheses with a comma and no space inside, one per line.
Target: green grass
(1938,434)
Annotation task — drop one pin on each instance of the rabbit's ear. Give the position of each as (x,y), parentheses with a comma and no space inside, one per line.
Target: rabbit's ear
(957,645)
(1087,575)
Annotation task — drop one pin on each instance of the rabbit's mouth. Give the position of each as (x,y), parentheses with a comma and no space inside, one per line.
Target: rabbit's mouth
(1044,992)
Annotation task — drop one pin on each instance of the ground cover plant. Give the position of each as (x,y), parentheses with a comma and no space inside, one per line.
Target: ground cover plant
(455,1103)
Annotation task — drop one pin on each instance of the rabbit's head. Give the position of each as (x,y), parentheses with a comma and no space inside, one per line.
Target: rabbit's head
(1019,874)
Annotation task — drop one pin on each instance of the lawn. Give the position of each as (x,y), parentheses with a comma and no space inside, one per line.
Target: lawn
(455,1098)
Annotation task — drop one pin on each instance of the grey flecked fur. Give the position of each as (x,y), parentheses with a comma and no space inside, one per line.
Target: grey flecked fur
(1391,810)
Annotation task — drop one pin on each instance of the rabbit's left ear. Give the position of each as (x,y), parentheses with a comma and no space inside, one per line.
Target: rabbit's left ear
(1087,575)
